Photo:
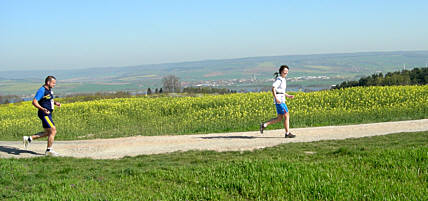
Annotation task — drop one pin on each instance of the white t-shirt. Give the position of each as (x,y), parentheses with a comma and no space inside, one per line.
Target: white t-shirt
(280,84)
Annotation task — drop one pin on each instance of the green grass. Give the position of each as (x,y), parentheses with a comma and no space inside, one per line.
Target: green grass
(391,167)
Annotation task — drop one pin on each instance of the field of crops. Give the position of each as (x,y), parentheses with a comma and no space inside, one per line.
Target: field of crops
(221,113)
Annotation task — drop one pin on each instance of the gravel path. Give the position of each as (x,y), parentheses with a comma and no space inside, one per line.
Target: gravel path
(237,141)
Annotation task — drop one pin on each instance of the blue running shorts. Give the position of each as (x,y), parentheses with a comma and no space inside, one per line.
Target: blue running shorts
(281,108)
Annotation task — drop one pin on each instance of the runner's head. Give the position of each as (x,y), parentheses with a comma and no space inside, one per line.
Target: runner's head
(50,81)
(283,71)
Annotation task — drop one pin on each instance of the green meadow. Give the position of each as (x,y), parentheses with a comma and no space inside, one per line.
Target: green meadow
(391,167)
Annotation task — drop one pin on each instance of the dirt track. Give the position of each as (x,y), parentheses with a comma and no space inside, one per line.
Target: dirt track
(239,141)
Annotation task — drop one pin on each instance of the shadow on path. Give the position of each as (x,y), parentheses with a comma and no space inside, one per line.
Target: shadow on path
(235,137)
(16,151)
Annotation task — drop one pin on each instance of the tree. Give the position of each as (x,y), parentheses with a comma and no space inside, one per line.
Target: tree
(171,83)
(149,91)
(417,76)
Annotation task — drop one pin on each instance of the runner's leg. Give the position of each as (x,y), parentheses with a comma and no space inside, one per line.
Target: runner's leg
(51,138)
(275,120)
(286,122)
(40,134)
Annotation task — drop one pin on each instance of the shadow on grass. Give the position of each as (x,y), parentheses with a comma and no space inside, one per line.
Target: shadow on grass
(16,151)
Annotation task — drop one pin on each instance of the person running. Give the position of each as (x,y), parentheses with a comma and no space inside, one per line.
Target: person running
(44,101)
(278,92)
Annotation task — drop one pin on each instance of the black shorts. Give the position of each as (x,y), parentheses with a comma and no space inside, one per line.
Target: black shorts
(47,121)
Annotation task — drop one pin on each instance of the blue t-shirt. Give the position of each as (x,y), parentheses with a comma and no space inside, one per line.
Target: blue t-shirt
(45,98)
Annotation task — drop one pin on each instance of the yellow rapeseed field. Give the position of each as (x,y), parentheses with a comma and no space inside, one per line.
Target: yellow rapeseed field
(216,113)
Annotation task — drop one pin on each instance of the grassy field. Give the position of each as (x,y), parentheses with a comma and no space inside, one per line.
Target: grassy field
(221,113)
(391,167)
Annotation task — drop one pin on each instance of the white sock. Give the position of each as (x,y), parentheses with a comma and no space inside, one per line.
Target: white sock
(265,125)
(287,133)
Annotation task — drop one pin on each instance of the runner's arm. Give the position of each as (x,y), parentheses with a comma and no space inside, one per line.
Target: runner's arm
(37,98)
(274,95)
(289,96)
(37,105)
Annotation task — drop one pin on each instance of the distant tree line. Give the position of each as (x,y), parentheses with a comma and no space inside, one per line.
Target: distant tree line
(196,90)
(416,76)
(172,84)
(208,90)
(156,91)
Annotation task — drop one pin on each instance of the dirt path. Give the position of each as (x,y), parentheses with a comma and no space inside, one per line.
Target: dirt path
(239,141)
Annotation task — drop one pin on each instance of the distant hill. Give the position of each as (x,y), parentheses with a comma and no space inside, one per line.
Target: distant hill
(336,67)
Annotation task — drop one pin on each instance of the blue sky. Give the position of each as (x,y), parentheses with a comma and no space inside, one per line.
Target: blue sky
(80,34)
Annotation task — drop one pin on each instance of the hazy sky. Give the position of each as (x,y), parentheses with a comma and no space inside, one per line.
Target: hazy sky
(39,34)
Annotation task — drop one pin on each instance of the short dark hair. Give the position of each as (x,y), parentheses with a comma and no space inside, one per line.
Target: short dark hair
(49,78)
(281,68)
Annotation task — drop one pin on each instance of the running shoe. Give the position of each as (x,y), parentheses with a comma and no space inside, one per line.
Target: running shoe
(262,128)
(51,153)
(290,135)
(26,140)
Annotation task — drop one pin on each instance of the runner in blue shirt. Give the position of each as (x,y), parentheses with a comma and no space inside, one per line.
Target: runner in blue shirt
(44,101)
(279,95)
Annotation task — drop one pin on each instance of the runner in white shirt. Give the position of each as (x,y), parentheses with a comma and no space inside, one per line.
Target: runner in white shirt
(279,95)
